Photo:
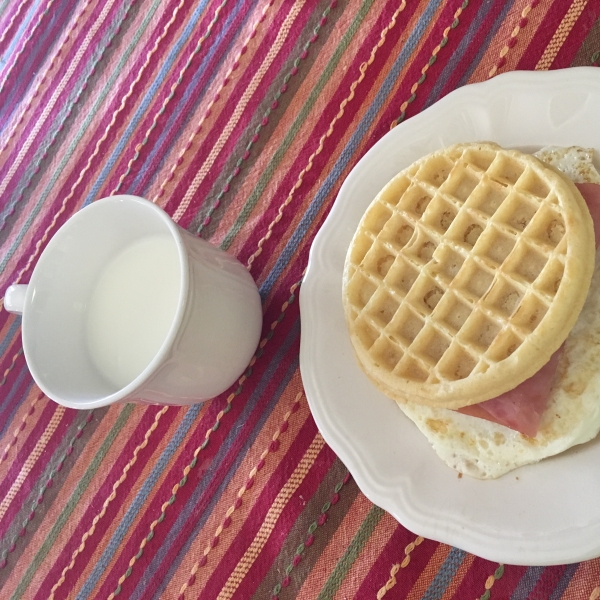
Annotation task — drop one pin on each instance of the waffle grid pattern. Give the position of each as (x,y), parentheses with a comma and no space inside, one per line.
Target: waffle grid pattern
(455,265)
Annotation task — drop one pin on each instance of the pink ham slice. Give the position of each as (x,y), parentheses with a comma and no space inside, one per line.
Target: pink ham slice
(521,408)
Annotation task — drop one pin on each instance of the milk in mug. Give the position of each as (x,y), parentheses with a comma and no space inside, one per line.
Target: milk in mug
(132,308)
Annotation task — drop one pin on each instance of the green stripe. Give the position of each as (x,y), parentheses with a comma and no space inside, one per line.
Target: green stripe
(73,501)
(107,88)
(298,122)
(354,549)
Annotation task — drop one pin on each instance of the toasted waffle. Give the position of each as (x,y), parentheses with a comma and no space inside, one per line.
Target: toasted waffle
(465,274)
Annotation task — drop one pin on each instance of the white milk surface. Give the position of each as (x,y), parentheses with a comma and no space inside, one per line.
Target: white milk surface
(132,308)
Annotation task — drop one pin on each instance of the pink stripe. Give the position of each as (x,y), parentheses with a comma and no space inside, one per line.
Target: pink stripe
(41,120)
(164,147)
(171,85)
(220,573)
(74,185)
(231,421)
(232,143)
(95,504)
(36,477)
(10,21)
(286,521)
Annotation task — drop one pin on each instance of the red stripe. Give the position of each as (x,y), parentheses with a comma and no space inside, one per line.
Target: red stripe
(577,35)
(229,423)
(18,396)
(8,30)
(166,87)
(505,586)
(473,583)
(95,504)
(7,361)
(22,70)
(47,408)
(256,516)
(37,476)
(284,525)
(392,554)
(239,137)
(540,40)
(547,582)
(79,159)
(411,72)
(288,181)
(463,65)
(60,69)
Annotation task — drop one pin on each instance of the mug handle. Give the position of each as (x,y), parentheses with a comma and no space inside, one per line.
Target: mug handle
(14,299)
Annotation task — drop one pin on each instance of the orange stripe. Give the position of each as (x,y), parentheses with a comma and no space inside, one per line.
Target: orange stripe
(304,134)
(336,548)
(364,561)
(429,572)
(109,499)
(271,518)
(228,499)
(210,109)
(88,451)
(585,580)
(560,35)
(32,459)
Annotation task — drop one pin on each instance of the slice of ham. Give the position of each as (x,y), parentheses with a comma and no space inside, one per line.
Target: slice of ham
(522,407)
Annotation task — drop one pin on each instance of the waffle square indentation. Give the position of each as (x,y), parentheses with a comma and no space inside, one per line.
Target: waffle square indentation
(415,201)
(530,313)
(503,297)
(386,354)
(376,219)
(457,363)
(551,277)
(397,232)
(382,307)
(431,345)
(488,197)
(480,331)
(453,312)
(531,182)
(407,325)
(402,276)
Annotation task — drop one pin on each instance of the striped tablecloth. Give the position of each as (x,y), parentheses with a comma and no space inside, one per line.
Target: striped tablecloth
(232,116)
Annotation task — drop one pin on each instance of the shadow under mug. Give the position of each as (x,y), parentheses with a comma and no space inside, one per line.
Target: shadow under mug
(212,328)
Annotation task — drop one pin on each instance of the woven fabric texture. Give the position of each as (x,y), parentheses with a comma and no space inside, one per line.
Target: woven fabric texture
(236,117)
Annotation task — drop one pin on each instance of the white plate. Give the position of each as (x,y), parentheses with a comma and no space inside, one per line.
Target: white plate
(543,514)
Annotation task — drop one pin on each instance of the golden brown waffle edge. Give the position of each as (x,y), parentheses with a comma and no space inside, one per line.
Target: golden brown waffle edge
(465,274)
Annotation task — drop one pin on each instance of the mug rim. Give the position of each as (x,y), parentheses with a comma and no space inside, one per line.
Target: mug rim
(128,391)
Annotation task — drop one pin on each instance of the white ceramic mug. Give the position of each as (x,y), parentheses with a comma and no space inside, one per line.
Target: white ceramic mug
(124,305)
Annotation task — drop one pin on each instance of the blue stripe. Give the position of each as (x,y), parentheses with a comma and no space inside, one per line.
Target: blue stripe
(564,581)
(138,503)
(191,91)
(350,148)
(484,46)
(527,583)
(42,148)
(444,576)
(184,513)
(67,155)
(459,53)
(146,101)
(10,334)
(33,54)
(19,34)
(8,419)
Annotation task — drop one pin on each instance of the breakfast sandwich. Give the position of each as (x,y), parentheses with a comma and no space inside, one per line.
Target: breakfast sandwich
(471,300)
